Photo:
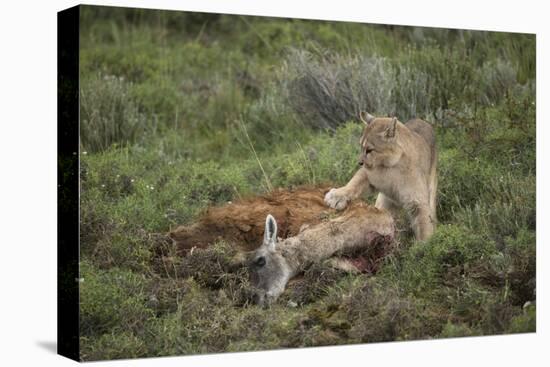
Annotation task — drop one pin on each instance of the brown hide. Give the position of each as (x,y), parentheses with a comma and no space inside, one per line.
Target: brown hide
(242,222)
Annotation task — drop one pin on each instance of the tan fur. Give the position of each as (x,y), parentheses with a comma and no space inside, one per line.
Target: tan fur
(361,228)
(399,161)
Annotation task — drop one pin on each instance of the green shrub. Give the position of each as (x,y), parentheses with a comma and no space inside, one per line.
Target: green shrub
(506,206)
(526,322)
(451,254)
(123,249)
(108,114)
(462,180)
(317,281)
(327,91)
(498,77)
(520,272)
(378,311)
(324,160)
(112,300)
(451,330)
(116,345)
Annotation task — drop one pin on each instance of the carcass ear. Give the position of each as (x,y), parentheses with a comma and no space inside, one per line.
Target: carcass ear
(392,129)
(366,117)
(270,233)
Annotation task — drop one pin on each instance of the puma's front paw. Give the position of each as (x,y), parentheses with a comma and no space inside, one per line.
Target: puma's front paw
(337,199)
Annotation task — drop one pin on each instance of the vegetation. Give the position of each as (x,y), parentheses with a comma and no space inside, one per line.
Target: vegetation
(181,111)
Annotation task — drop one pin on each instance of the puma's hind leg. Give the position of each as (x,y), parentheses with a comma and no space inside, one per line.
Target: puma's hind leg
(421,222)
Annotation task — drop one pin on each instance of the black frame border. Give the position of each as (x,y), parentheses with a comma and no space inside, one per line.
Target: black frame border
(68,243)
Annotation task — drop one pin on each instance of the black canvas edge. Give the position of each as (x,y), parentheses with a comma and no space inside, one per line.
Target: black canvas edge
(68,34)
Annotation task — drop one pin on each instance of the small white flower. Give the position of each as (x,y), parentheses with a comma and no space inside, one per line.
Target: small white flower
(132,180)
(152,187)
(84,152)
(102,185)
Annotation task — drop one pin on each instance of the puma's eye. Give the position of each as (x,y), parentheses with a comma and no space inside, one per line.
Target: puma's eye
(368,150)
(260,261)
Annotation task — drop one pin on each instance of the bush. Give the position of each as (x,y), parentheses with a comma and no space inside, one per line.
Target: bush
(112,300)
(498,77)
(215,268)
(322,161)
(108,114)
(526,322)
(451,255)
(317,281)
(451,330)
(118,345)
(505,207)
(520,272)
(329,90)
(378,311)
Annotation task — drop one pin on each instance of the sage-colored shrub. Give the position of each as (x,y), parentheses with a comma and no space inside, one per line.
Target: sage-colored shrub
(108,114)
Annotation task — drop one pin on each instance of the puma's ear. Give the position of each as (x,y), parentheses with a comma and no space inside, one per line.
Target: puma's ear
(270,233)
(366,117)
(392,129)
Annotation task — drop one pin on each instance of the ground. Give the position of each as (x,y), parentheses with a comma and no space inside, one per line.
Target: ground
(182,112)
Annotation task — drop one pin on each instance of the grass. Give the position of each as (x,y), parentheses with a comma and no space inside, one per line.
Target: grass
(183,111)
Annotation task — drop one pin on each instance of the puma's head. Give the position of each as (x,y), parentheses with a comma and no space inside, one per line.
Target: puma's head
(379,141)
